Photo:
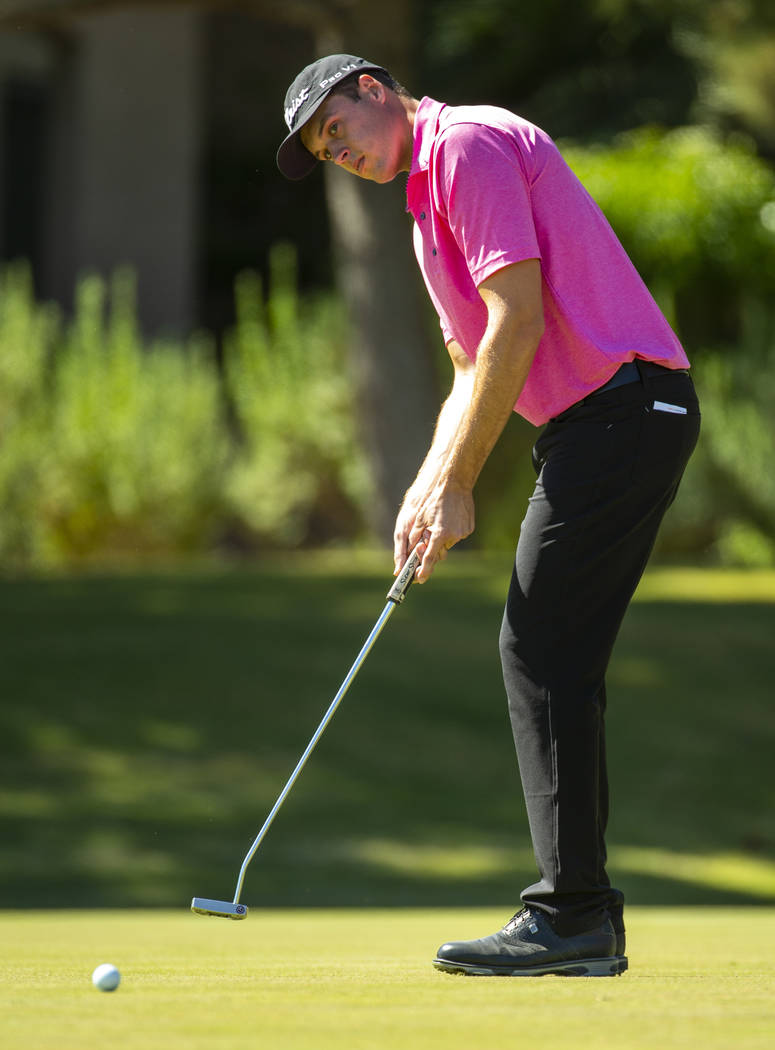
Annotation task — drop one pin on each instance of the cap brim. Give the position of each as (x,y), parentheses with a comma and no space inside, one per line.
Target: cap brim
(293,158)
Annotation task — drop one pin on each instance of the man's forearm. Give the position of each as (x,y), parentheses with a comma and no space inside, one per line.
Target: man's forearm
(444,435)
(499,377)
(444,511)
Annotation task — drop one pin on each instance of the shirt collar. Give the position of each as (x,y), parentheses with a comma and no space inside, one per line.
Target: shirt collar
(426,122)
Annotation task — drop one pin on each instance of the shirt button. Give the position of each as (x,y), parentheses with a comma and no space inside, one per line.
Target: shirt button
(422,216)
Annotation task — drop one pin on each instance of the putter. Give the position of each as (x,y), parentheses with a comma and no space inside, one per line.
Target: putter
(233,909)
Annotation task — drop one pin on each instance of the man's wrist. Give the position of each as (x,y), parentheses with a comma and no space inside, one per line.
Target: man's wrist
(455,479)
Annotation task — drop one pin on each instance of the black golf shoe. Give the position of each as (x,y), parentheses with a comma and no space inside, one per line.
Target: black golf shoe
(616,910)
(527,946)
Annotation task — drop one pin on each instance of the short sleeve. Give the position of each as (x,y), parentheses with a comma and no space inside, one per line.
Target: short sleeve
(481,188)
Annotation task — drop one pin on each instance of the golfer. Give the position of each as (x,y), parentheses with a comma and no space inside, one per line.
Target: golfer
(542,313)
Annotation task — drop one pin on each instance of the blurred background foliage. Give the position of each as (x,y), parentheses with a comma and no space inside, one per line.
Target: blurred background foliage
(112,448)
(113,444)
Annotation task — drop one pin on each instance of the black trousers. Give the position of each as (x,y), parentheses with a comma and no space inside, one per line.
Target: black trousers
(608,469)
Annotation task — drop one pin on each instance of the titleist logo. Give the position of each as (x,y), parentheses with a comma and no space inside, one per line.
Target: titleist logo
(293,109)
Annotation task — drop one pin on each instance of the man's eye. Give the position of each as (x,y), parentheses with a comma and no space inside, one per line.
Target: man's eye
(333,129)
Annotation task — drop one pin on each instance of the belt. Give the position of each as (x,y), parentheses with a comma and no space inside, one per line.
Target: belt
(629,372)
(626,373)
(633,372)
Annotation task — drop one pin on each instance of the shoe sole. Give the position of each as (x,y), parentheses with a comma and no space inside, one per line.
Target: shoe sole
(613,966)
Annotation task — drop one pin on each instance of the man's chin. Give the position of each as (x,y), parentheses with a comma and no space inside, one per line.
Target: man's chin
(382,177)
(379,175)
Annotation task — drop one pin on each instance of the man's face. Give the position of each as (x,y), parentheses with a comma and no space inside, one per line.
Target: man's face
(370,138)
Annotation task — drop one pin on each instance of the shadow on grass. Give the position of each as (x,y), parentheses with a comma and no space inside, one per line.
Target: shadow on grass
(150,721)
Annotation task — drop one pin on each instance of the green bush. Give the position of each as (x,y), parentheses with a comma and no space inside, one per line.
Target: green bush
(110,447)
(136,446)
(107,446)
(28,335)
(299,475)
(727,504)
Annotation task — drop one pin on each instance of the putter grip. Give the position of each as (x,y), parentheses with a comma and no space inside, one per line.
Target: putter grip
(403,581)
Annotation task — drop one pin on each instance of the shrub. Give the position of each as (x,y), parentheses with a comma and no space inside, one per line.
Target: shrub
(107,446)
(28,335)
(299,475)
(112,447)
(726,508)
(136,445)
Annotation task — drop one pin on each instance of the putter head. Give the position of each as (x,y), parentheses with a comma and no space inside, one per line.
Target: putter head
(221,909)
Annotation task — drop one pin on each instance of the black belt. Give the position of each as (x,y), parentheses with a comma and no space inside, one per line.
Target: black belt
(629,372)
(633,372)
(626,373)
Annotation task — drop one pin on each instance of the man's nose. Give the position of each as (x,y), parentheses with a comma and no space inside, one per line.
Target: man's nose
(341,154)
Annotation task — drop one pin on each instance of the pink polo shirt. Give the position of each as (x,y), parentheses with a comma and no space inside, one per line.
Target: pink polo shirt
(487,189)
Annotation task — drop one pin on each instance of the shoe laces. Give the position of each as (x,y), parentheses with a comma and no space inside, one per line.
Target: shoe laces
(523,915)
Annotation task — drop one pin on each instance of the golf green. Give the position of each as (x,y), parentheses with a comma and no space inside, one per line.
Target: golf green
(363,980)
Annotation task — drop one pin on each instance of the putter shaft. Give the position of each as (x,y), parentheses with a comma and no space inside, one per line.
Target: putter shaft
(396,595)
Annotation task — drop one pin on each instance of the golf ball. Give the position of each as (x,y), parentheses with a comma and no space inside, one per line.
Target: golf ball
(106,978)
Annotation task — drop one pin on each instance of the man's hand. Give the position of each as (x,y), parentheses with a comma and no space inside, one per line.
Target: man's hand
(403,527)
(441,521)
(436,520)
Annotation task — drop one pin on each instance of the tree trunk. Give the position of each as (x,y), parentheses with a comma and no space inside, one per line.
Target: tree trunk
(392,358)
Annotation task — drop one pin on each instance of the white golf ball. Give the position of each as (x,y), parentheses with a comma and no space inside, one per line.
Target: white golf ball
(106,978)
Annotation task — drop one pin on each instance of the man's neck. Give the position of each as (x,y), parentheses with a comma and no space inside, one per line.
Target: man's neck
(410,108)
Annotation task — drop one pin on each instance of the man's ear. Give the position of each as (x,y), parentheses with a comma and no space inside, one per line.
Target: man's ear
(372,86)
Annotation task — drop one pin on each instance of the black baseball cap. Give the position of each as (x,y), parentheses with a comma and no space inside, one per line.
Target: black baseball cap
(306,94)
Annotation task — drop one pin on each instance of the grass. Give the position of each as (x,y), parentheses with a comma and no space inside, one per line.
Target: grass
(149,722)
(362,980)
